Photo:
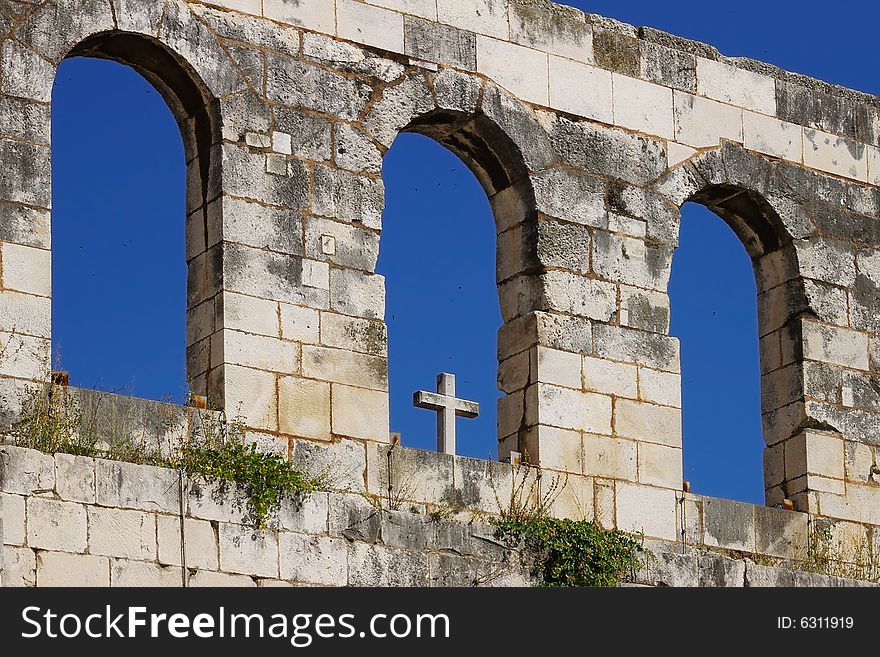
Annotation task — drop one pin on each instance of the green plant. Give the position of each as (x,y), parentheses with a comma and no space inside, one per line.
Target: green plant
(852,559)
(574,552)
(265,478)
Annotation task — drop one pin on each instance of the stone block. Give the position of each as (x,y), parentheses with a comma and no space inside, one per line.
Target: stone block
(660,465)
(831,344)
(19,567)
(668,66)
(356,293)
(75,478)
(522,71)
(481,16)
(347,367)
(308,516)
(299,324)
(55,525)
(200,541)
(703,123)
(644,309)
(369,25)
(552,448)
(26,269)
(252,393)
(310,14)
(560,368)
(833,154)
(571,196)
(646,509)
(27,471)
(643,107)
(578,295)
(142,487)
(568,409)
(780,533)
(362,335)
(729,524)
(261,227)
(410,474)
(555,29)
(736,86)
(360,413)
(62,569)
(608,377)
(569,79)
(377,565)
(248,551)
(341,465)
(304,408)
(13,525)
(210,579)
(314,559)
(124,534)
(610,457)
(260,352)
(250,314)
(647,422)
(658,352)
(768,135)
(443,44)
(404,529)
(219,501)
(350,246)
(124,573)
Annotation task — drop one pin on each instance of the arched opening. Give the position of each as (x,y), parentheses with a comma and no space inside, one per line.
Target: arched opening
(133,173)
(444,176)
(721,298)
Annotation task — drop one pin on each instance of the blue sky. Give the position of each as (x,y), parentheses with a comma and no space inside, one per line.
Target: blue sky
(119,274)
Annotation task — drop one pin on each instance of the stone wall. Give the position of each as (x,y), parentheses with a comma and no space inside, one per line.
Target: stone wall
(587,135)
(76,521)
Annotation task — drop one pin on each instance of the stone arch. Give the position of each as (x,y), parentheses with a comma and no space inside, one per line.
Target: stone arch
(501,141)
(191,70)
(748,193)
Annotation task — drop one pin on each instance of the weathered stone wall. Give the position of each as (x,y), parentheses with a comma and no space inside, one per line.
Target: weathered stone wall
(76,521)
(587,135)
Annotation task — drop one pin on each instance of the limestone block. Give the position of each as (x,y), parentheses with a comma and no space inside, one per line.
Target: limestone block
(829,260)
(481,16)
(568,409)
(348,57)
(616,49)
(423,8)
(522,71)
(578,295)
(352,246)
(398,106)
(660,465)
(736,86)
(861,503)
(118,533)
(124,573)
(348,197)
(310,136)
(659,352)
(581,89)
(377,565)
(814,452)
(350,368)
(314,559)
(248,551)
(643,106)
(26,74)
(253,396)
(250,314)
(647,422)
(54,525)
(633,158)
(23,225)
(26,172)
(355,151)
(873,165)
(361,335)
(370,25)
(27,471)
(553,449)
(13,524)
(608,377)
(209,579)
(410,474)
(244,174)
(560,244)
(521,124)
(405,529)
(574,499)
(458,91)
(571,196)
(729,524)
(513,372)
(604,504)
(299,84)
(26,269)
(660,387)
(831,344)
(308,516)
(24,120)
(19,567)
(310,14)
(661,216)
(555,29)
(342,465)
(299,324)
(261,227)
(201,543)
(560,368)
(142,487)
(859,462)
(435,42)
(610,457)
(771,136)
(219,501)
(260,352)
(780,533)
(360,413)
(646,509)
(75,478)
(304,408)
(837,155)
(702,123)
(61,569)
(31,356)
(644,309)
(668,66)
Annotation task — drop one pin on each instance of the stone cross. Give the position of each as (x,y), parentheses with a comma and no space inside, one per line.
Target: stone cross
(447,407)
